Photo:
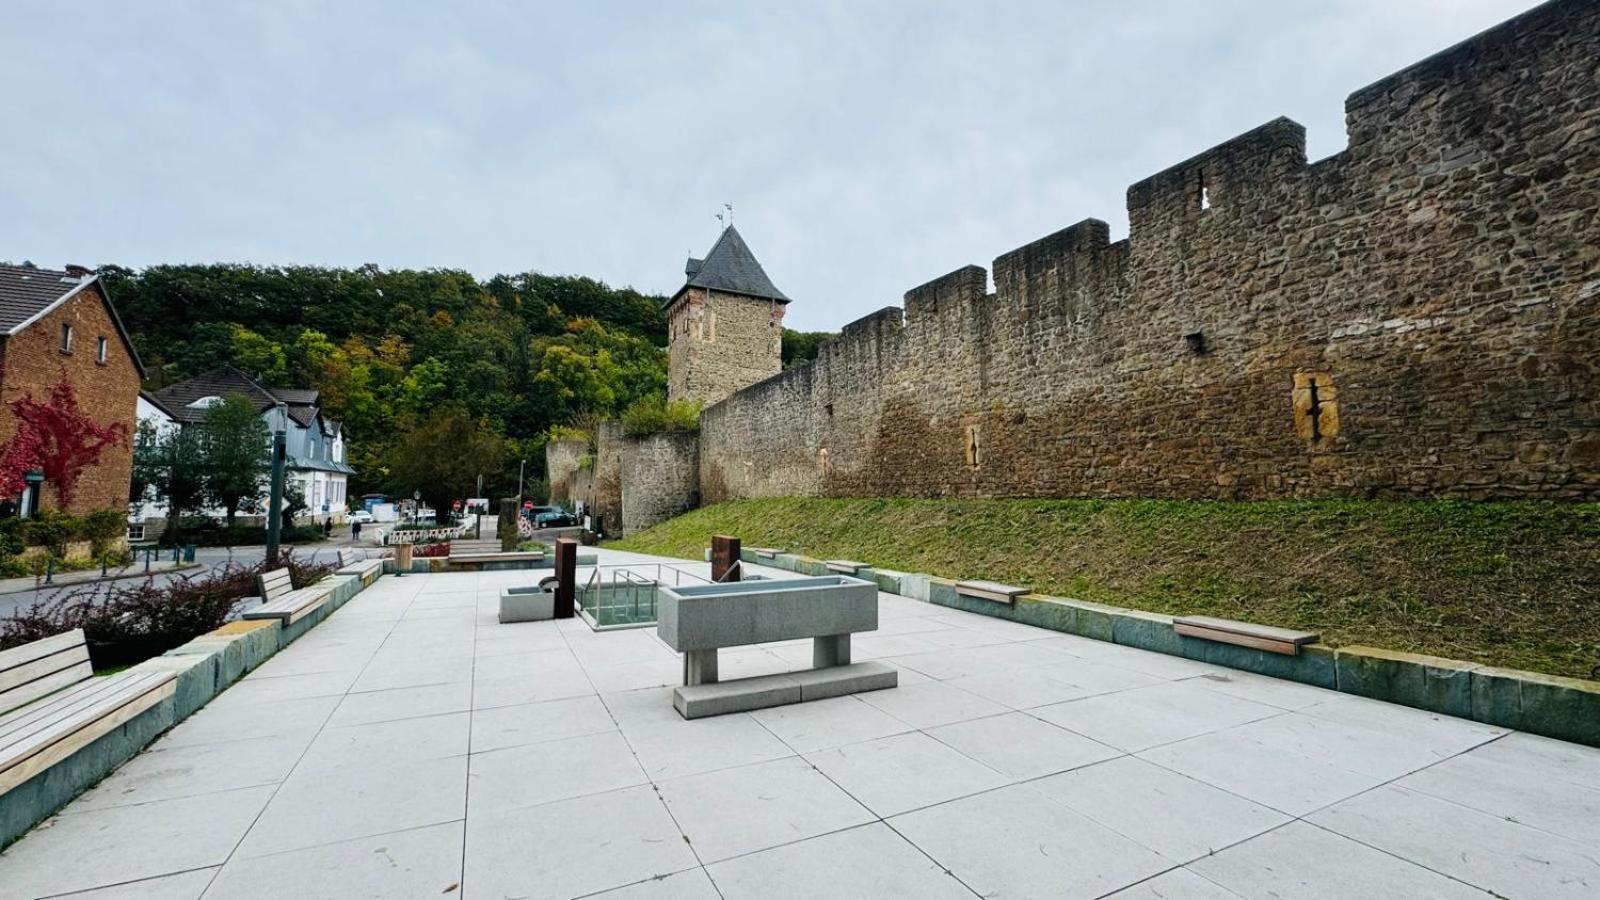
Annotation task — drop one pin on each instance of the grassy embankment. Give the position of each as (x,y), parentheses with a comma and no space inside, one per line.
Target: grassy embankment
(1508,584)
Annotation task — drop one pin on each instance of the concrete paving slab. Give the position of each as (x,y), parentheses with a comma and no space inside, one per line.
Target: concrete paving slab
(1545,758)
(574,847)
(806,727)
(316,808)
(532,723)
(1478,848)
(693,884)
(867,861)
(932,703)
(1270,775)
(402,703)
(421,862)
(182,886)
(736,811)
(385,743)
(1301,860)
(1147,717)
(557,770)
(1136,799)
(679,748)
(1513,793)
(519,690)
(1022,746)
(897,774)
(128,843)
(1175,884)
(1015,842)
(168,773)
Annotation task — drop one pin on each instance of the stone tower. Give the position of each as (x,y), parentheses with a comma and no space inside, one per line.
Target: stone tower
(724,326)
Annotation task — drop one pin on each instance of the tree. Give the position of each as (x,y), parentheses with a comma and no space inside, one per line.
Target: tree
(172,463)
(56,438)
(443,456)
(235,450)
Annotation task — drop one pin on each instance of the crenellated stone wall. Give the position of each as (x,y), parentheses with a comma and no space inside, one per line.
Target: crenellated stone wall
(1418,315)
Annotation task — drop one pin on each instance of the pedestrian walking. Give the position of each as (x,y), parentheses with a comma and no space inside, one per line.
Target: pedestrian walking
(355,531)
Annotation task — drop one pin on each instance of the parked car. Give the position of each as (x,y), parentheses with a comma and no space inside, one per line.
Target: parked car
(558,518)
(362,516)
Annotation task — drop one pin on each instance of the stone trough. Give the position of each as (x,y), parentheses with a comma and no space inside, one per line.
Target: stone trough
(698,620)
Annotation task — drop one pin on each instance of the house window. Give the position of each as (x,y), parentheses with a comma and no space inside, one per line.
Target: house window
(66,339)
(100,349)
(135,532)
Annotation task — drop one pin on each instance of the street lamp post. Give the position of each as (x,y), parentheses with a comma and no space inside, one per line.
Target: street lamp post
(275,502)
(416,508)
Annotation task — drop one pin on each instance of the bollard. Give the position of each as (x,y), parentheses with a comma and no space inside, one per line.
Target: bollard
(566,576)
(104,558)
(725,558)
(148,552)
(49,569)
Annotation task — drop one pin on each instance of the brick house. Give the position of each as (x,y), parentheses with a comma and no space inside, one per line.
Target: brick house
(56,325)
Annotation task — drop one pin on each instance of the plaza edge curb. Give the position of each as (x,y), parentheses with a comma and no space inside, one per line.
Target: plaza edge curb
(1547,705)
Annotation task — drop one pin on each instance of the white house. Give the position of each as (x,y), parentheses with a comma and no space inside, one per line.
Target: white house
(316,445)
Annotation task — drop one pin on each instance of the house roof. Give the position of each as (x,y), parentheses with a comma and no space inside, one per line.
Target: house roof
(28,292)
(302,415)
(304,396)
(155,401)
(221,382)
(730,267)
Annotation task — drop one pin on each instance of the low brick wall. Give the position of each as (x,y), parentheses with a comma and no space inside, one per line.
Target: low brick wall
(1548,705)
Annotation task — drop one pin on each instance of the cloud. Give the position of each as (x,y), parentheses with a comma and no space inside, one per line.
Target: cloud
(866,147)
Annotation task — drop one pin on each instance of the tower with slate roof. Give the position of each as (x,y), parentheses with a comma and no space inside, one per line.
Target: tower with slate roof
(725,325)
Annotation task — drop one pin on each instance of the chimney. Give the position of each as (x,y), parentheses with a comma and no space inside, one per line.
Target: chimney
(78,271)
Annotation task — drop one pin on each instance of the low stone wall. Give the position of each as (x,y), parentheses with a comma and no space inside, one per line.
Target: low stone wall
(203,668)
(1549,705)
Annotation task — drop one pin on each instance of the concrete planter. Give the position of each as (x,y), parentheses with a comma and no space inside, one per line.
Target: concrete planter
(526,604)
(729,615)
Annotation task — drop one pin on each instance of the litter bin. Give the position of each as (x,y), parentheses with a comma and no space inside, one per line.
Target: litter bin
(188,553)
(402,557)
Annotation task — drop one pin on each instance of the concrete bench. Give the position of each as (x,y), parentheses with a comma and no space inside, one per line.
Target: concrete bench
(354,562)
(990,590)
(282,602)
(699,620)
(1245,634)
(52,705)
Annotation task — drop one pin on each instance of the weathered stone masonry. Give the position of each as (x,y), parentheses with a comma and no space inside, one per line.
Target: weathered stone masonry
(1414,316)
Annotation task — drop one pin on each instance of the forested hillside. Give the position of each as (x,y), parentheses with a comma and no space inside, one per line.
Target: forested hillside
(397,352)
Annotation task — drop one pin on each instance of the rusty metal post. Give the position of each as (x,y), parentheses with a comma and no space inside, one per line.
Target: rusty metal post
(566,576)
(725,558)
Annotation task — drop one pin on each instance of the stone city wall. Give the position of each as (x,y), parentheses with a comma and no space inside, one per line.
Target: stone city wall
(660,478)
(1418,315)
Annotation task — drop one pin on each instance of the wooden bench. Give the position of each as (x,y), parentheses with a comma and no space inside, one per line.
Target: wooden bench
(845,566)
(990,590)
(354,562)
(52,705)
(488,551)
(766,553)
(1245,634)
(282,602)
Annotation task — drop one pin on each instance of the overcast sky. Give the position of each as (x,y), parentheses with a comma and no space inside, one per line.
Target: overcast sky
(866,146)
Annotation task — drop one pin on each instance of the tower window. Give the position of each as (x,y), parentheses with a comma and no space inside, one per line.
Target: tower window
(100,350)
(1316,409)
(66,338)
(1205,193)
(974,446)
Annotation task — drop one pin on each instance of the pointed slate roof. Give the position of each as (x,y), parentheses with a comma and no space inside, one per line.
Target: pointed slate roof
(730,267)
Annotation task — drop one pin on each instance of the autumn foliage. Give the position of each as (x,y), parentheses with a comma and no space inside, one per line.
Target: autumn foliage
(57,438)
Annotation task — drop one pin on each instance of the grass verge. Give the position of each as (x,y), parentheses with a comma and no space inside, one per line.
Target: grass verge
(1507,584)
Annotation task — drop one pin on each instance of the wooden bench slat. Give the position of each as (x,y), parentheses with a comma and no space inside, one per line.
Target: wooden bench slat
(275,583)
(27,653)
(17,680)
(72,693)
(50,750)
(40,688)
(513,556)
(91,702)
(845,566)
(293,606)
(1249,629)
(990,590)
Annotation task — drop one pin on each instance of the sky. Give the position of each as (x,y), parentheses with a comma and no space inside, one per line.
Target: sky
(866,147)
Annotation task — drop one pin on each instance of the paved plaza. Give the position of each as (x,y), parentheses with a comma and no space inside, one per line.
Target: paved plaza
(411,746)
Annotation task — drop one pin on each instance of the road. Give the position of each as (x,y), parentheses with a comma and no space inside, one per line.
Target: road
(209,558)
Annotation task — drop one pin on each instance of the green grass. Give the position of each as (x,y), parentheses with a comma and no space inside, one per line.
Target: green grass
(1508,584)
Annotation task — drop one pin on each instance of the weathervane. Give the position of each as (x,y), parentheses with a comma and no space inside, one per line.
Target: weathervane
(725,218)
